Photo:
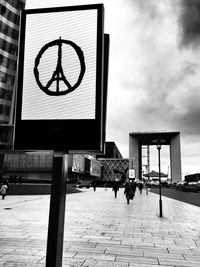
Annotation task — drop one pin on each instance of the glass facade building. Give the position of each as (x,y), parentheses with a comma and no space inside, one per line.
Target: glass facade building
(9,35)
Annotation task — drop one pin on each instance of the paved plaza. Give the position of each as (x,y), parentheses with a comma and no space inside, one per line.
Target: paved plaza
(102,231)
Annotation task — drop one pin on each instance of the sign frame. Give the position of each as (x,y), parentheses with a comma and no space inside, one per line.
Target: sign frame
(70,134)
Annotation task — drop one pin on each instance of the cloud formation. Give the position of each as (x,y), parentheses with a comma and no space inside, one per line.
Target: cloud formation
(157,82)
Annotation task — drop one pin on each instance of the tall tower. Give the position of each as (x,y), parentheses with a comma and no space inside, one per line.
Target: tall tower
(9,34)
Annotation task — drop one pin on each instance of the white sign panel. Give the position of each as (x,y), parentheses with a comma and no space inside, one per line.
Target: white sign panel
(62,79)
(59,80)
(131,173)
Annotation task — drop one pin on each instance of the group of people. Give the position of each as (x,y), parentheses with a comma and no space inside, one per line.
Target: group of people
(15,179)
(129,189)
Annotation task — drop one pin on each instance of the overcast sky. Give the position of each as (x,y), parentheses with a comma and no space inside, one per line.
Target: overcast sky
(154,72)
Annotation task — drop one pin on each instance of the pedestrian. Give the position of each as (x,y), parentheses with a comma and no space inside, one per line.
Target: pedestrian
(128,191)
(15,179)
(94,185)
(3,190)
(123,178)
(115,188)
(11,179)
(140,186)
(7,184)
(1,178)
(133,187)
(105,186)
(20,179)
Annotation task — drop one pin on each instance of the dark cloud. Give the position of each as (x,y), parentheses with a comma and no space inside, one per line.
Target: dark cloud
(188,122)
(190,23)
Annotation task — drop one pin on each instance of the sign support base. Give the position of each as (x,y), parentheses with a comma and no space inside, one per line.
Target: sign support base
(57,211)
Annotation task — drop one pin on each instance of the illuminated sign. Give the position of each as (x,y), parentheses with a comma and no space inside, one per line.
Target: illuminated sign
(61,93)
(131,173)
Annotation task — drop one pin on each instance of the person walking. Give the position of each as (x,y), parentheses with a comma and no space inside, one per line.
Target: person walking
(140,186)
(94,185)
(115,188)
(105,186)
(128,191)
(133,187)
(3,190)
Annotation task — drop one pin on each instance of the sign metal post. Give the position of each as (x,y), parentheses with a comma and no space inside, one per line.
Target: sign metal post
(57,211)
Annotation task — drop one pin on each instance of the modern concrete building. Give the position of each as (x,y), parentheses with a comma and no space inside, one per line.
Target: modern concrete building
(37,167)
(111,151)
(139,139)
(112,161)
(113,168)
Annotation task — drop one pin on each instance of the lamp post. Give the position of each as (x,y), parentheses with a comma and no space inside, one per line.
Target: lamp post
(158,144)
(160,195)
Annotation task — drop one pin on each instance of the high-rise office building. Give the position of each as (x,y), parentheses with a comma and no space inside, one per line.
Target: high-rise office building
(9,35)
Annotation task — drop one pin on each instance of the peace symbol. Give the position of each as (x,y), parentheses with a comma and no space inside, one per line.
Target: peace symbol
(58,74)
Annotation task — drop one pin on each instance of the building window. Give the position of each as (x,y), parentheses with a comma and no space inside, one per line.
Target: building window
(5,30)
(20,5)
(11,48)
(9,15)
(5,110)
(3,45)
(4,78)
(2,26)
(17,4)
(7,63)
(1,59)
(15,34)
(16,19)
(10,80)
(7,79)
(5,94)
(3,10)
(8,95)
(12,65)
(2,93)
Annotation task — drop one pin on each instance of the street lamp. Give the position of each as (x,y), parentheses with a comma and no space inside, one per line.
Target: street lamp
(158,144)
(160,199)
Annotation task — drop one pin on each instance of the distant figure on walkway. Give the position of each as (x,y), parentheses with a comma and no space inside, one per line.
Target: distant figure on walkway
(105,186)
(1,178)
(11,179)
(94,185)
(128,192)
(133,187)
(15,179)
(140,186)
(3,190)
(6,183)
(20,179)
(115,188)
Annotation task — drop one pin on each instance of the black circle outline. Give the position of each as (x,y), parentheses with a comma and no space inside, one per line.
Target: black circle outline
(80,55)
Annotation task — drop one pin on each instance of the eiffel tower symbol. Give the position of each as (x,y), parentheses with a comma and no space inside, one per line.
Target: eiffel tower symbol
(58,74)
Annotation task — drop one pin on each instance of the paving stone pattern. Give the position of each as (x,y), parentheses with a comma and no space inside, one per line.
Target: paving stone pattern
(102,231)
